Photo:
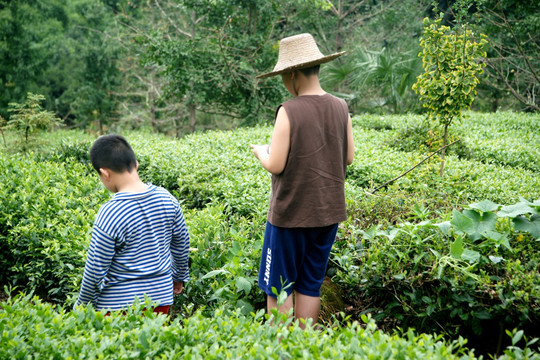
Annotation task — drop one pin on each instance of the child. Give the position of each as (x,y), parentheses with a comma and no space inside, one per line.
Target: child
(140,242)
(312,144)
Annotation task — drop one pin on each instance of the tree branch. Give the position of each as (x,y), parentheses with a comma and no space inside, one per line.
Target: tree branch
(525,57)
(375,13)
(185,33)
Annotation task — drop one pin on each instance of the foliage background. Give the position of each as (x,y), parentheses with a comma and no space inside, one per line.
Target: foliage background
(182,65)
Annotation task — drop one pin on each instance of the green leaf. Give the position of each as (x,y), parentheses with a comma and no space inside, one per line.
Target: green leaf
(456,249)
(495,259)
(281,298)
(143,339)
(214,273)
(462,223)
(535,203)
(444,227)
(245,306)
(485,206)
(497,238)
(484,315)
(470,256)
(243,284)
(481,223)
(512,211)
(521,223)
(517,337)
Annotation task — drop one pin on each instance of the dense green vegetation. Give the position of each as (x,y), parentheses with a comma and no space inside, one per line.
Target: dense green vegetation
(455,255)
(30,326)
(181,65)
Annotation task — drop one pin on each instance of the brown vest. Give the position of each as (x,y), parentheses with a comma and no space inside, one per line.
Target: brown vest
(310,191)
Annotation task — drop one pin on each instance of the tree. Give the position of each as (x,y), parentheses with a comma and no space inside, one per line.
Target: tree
(513,60)
(210,57)
(92,34)
(513,53)
(30,32)
(451,61)
(381,63)
(29,117)
(63,50)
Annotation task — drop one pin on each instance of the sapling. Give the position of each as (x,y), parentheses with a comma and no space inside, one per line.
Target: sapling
(451,61)
(29,117)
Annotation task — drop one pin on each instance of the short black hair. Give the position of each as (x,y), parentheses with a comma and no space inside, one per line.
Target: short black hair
(113,152)
(313,70)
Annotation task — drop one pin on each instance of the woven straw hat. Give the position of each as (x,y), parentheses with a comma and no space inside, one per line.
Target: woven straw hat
(298,52)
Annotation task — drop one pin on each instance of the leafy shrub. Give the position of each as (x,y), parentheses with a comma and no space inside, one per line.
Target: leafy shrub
(213,166)
(225,253)
(424,137)
(374,122)
(487,138)
(50,199)
(67,152)
(459,276)
(46,212)
(30,326)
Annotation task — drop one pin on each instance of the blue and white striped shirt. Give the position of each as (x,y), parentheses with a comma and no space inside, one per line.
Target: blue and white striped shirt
(139,245)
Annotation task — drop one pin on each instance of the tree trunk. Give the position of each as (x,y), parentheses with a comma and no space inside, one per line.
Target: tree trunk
(252,18)
(339,41)
(191,106)
(151,101)
(4,138)
(192,117)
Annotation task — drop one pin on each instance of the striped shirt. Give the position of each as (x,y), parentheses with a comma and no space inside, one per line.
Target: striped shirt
(139,245)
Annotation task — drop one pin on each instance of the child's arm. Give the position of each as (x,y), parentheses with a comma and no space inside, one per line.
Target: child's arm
(274,161)
(98,261)
(180,251)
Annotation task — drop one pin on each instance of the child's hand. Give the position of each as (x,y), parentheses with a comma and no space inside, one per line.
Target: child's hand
(178,286)
(260,150)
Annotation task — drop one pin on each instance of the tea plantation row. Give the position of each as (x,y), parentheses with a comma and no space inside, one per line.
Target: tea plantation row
(30,328)
(421,252)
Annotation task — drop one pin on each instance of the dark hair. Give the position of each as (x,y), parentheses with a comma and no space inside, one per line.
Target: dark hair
(113,152)
(313,70)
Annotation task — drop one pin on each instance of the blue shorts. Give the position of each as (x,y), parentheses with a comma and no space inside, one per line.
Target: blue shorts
(296,256)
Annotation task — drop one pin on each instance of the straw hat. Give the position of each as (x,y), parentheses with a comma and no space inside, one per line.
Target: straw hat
(298,52)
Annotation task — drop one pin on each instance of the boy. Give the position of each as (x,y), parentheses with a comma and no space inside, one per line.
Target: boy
(140,242)
(312,144)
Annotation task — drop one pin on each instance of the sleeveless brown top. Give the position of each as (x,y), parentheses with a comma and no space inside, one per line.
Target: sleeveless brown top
(310,191)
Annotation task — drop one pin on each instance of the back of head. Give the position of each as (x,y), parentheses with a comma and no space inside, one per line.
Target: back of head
(113,152)
(309,71)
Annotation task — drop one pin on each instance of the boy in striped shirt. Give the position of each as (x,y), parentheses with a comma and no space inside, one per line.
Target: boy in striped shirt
(140,242)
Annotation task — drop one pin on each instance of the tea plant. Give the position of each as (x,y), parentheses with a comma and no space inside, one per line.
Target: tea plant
(46,212)
(30,326)
(403,255)
(225,252)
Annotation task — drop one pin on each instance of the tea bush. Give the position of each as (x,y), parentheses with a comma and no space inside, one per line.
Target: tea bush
(46,212)
(30,326)
(225,252)
(208,167)
(507,138)
(49,199)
